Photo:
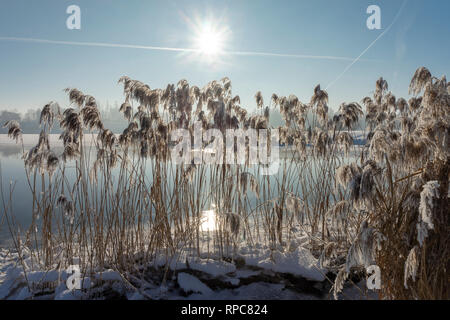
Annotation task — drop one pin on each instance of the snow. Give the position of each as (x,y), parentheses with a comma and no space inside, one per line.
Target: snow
(109,275)
(69,295)
(210,266)
(191,276)
(233,281)
(242,274)
(40,276)
(10,276)
(300,262)
(24,294)
(190,283)
(183,285)
(174,263)
(213,267)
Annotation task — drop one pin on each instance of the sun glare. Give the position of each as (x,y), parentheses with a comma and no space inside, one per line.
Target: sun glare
(210,40)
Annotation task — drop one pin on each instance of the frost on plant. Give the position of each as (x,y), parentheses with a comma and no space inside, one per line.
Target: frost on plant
(429,193)
(411,265)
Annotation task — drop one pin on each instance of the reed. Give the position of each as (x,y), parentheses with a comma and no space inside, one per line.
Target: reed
(120,199)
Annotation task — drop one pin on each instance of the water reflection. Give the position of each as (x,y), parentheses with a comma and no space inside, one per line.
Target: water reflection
(208,222)
(20,208)
(10,151)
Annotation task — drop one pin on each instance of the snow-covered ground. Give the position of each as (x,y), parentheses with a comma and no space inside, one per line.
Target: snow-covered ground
(252,274)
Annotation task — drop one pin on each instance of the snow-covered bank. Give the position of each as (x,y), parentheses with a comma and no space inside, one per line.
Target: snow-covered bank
(253,274)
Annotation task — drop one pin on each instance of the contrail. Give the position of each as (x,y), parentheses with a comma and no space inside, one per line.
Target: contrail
(154,48)
(96,44)
(370,46)
(286,55)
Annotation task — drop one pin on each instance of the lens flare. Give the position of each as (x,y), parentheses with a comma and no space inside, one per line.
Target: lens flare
(210,40)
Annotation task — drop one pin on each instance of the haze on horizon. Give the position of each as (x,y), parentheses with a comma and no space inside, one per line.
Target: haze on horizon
(270,46)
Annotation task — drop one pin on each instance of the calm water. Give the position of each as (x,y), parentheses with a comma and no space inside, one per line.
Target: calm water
(13,175)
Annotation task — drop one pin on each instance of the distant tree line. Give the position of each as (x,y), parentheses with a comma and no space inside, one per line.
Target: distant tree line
(29,121)
(111,117)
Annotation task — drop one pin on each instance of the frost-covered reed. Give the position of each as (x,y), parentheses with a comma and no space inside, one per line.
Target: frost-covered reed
(385,203)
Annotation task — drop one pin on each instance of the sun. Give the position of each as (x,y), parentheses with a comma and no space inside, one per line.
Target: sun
(210,40)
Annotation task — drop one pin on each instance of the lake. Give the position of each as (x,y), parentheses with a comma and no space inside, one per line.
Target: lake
(13,177)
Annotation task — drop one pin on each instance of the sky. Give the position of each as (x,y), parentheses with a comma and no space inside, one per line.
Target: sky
(413,33)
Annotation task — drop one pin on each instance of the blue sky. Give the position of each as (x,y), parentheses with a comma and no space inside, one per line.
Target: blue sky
(31,74)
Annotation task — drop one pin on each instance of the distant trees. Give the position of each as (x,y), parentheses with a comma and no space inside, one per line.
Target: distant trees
(29,121)
(112,119)
(6,116)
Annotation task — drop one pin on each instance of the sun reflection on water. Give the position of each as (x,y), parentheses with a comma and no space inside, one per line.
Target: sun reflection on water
(208,222)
